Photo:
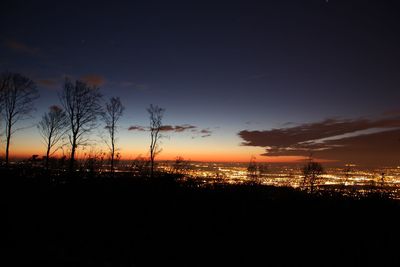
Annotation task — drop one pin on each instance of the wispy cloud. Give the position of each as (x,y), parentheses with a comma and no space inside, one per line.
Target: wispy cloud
(21,47)
(205,133)
(351,140)
(137,128)
(165,128)
(176,129)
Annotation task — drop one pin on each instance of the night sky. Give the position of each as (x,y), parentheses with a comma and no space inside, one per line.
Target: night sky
(274,79)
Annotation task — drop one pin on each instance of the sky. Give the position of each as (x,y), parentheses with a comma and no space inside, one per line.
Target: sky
(274,79)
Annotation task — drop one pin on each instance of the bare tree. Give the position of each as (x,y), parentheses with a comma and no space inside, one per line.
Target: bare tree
(18,94)
(156,114)
(81,103)
(52,128)
(382,179)
(252,170)
(113,112)
(312,172)
(2,88)
(347,175)
(140,166)
(181,166)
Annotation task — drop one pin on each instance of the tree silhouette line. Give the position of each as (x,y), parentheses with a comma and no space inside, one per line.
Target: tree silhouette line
(81,110)
(79,113)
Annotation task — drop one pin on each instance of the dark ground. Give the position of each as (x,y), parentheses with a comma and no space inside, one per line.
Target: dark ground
(133,222)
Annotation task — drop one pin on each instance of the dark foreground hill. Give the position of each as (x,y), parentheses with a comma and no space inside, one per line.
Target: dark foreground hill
(134,222)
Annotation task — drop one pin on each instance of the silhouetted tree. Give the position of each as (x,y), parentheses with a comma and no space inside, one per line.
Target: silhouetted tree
(91,162)
(81,103)
(347,175)
(262,169)
(312,172)
(140,166)
(181,166)
(17,97)
(1,112)
(113,112)
(2,88)
(156,114)
(219,176)
(252,170)
(382,179)
(52,128)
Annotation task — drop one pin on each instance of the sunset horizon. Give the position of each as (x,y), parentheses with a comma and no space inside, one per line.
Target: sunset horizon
(200,133)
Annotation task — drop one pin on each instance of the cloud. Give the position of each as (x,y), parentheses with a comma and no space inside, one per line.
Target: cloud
(137,128)
(361,140)
(177,128)
(185,127)
(20,47)
(165,128)
(93,79)
(376,149)
(284,137)
(205,133)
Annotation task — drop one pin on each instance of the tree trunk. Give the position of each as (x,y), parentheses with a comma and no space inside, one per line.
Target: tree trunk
(48,151)
(72,159)
(152,168)
(112,150)
(47,157)
(151,163)
(112,160)
(8,142)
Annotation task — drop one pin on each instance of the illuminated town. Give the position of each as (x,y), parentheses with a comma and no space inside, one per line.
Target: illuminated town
(291,176)
(347,180)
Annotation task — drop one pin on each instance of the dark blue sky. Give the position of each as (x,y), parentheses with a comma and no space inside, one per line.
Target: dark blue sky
(233,65)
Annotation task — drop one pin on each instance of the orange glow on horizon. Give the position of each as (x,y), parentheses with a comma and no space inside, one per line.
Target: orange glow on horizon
(220,157)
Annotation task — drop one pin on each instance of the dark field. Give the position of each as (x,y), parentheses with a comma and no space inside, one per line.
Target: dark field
(140,222)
